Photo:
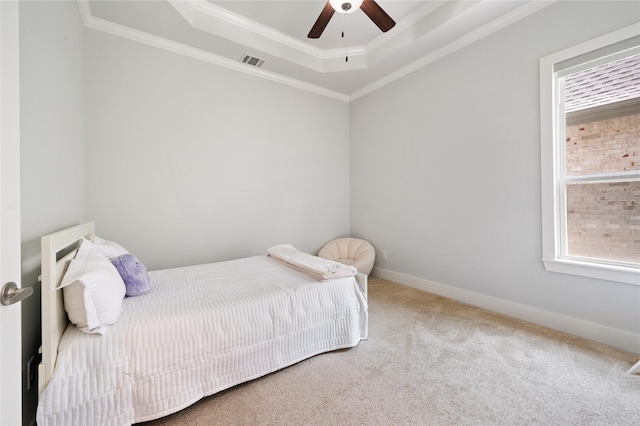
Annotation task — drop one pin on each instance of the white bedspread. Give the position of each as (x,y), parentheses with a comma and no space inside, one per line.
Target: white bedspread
(200,330)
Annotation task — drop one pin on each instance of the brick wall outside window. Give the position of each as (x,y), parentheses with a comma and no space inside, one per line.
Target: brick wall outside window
(603,219)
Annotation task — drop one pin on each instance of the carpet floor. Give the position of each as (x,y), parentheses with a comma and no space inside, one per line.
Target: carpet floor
(430,360)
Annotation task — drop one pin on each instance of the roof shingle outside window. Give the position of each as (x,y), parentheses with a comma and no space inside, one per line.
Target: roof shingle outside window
(604,84)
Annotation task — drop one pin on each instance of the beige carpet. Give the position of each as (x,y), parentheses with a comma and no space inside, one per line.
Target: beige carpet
(433,361)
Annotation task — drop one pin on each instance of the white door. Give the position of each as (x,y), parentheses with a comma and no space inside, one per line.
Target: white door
(10,334)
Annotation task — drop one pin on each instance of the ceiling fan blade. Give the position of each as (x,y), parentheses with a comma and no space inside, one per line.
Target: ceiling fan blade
(322,21)
(377,15)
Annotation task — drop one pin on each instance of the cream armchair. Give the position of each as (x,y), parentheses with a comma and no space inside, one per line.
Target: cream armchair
(350,251)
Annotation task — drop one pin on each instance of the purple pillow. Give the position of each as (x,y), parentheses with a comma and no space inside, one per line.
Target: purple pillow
(134,274)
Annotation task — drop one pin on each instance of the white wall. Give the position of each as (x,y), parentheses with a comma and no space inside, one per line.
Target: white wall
(445,176)
(189,162)
(52,116)
(52,146)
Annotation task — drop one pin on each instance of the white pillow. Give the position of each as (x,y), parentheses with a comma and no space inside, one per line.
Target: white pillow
(109,249)
(93,290)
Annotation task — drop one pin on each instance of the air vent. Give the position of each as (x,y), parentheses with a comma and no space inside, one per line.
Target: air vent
(252,60)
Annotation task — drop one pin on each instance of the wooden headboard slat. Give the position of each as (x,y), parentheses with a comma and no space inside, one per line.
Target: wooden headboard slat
(54,317)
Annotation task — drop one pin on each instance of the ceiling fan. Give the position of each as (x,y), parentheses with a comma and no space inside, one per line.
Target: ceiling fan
(369,7)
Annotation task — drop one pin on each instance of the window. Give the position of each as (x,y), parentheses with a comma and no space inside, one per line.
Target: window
(590,147)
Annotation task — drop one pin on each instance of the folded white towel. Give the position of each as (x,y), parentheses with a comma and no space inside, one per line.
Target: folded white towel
(316,267)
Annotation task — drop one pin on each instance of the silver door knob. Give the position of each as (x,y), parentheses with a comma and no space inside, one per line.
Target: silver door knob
(11,294)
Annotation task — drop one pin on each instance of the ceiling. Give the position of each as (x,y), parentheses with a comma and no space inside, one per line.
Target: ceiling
(223,31)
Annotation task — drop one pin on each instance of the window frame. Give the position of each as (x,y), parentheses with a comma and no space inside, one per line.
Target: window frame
(552,118)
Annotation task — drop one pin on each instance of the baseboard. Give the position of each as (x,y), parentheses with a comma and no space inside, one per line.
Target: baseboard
(635,369)
(610,336)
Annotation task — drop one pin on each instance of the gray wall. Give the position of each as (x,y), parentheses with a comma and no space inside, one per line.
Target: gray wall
(186,162)
(445,174)
(52,147)
(190,162)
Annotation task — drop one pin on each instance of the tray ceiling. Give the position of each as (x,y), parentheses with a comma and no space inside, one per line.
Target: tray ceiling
(223,31)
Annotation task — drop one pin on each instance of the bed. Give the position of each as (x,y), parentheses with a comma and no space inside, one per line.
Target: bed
(199,330)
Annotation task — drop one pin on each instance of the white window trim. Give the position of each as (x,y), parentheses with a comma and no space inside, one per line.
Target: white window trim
(549,122)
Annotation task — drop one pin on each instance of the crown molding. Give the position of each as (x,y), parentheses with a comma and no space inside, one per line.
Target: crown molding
(470,37)
(221,22)
(251,26)
(217,20)
(109,27)
(331,60)
(405,24)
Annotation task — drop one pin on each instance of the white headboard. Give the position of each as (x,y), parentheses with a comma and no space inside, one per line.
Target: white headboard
(54,317)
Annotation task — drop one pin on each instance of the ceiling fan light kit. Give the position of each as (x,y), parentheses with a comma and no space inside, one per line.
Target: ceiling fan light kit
(342,6)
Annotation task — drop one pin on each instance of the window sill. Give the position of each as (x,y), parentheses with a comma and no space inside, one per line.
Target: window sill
(620,274)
